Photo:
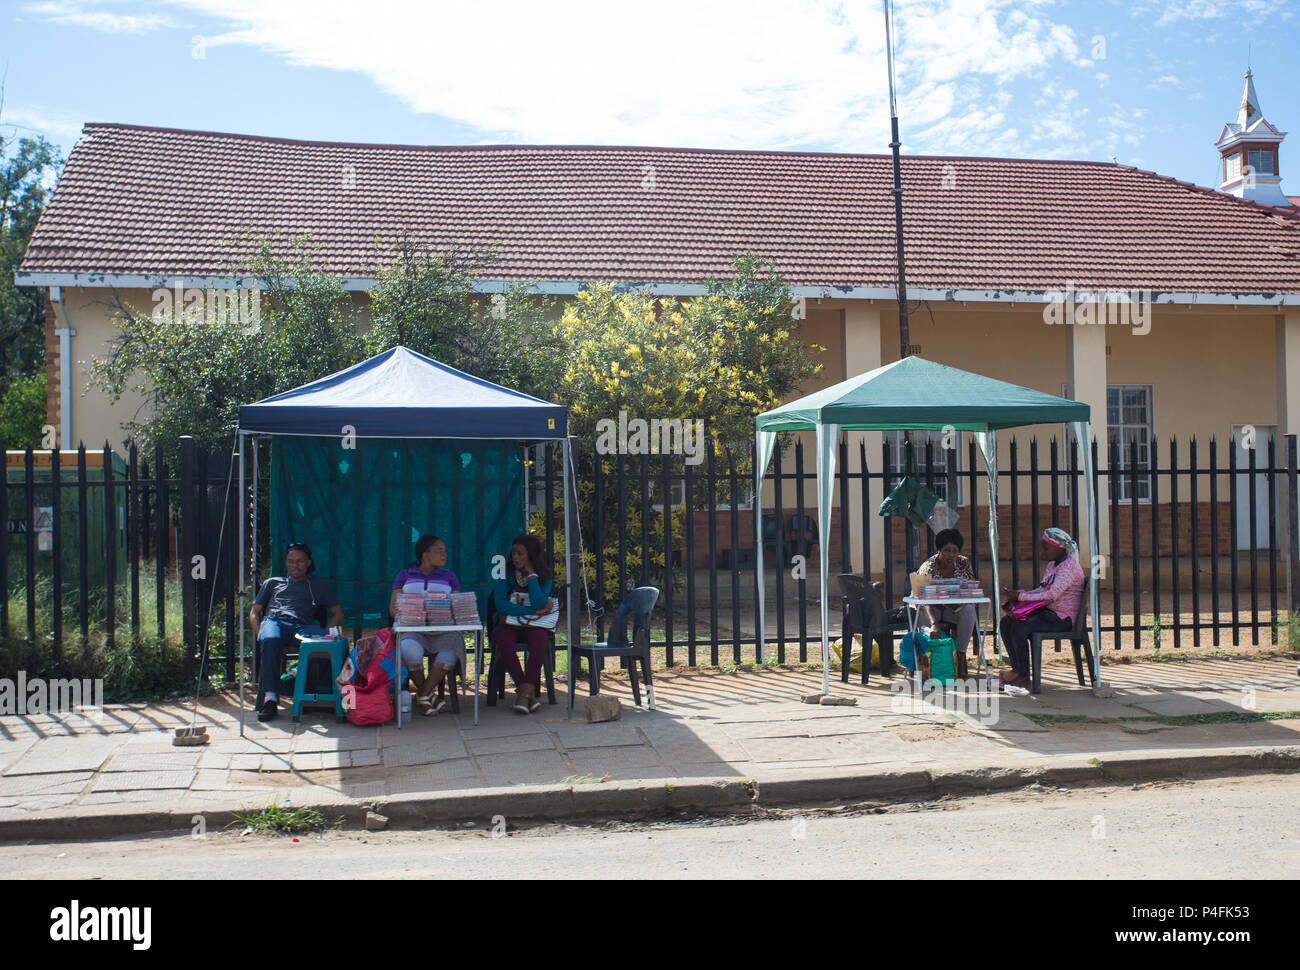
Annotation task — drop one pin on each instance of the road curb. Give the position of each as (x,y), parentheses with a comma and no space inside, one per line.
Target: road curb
(552,803)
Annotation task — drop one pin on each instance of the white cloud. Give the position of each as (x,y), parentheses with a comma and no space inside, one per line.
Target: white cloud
(36,120)
(726,73)
(1170,79)
(95,15)
(1172,11)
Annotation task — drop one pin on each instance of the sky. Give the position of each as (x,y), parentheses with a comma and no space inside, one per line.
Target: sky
(1149,83)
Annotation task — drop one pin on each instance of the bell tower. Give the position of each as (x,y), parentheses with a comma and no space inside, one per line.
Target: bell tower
(1248,152)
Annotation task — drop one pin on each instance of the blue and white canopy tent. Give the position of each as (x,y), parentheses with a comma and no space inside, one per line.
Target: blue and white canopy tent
(366,459)
(917,394)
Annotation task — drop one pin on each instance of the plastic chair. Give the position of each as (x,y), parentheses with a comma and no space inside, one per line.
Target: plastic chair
(1078,637)
(638,605)
(337,652)
(496,687)
(802,535)
(865,614)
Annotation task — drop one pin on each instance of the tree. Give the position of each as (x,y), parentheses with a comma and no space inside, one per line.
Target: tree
(196,364)
(726,356)
(718,360)
(425,300)
(22,412)
(26,165)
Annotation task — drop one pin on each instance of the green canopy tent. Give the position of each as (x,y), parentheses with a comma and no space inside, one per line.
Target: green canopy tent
(914,393)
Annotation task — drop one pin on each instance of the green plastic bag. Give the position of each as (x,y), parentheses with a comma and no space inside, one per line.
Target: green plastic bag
(943,660)
(910,498)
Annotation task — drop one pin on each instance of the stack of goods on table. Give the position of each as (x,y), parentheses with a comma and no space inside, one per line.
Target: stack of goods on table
(951,589)
(410,609)
(464,609)
(437,609)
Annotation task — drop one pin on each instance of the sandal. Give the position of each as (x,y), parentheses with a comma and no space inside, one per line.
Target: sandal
(430,707)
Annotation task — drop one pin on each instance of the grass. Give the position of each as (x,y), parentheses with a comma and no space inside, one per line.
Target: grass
(286,821)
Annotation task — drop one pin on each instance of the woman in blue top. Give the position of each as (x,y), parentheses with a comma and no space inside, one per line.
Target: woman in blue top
(428,574)
(525,592)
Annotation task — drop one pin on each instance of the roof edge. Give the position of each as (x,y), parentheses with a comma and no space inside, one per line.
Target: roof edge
(817,291)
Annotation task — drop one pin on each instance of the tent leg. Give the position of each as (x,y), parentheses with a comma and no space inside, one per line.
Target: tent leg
(240,578)
(571,567)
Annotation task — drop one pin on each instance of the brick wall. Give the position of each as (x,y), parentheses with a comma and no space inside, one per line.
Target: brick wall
(745,532)
(1026,537)
(1122,540)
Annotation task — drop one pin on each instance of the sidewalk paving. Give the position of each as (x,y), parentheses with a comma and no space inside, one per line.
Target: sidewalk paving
(715,739)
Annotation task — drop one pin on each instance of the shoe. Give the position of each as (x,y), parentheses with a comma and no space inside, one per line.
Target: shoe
(534,702)
(267,711)
(523,698)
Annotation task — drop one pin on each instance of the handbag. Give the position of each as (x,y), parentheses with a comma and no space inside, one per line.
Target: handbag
(1022,611)
(540,621)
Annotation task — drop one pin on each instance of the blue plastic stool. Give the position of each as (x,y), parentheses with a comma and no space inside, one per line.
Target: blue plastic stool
(337,651)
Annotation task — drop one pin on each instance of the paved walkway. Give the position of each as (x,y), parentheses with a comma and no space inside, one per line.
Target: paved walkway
(747,726)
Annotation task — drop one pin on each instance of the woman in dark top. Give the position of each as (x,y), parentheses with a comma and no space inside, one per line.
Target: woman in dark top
(525,592)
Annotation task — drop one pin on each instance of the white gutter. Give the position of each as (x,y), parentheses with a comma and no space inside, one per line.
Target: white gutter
(570,287)
(65,335)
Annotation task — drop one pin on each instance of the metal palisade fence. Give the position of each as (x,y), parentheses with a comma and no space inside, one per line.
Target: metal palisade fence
(1202,540)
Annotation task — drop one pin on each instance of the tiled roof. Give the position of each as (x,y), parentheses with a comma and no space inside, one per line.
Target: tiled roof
(135,200)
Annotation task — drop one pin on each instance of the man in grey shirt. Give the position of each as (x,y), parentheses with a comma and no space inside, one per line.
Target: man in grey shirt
(286,606)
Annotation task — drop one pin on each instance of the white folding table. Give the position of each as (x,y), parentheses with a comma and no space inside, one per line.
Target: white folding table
(476,629)
(914,604)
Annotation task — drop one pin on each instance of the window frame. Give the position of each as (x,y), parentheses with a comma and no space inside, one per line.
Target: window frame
(1119,474)
(897,462)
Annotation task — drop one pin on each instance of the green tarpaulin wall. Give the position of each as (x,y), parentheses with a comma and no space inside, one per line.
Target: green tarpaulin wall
(362,509)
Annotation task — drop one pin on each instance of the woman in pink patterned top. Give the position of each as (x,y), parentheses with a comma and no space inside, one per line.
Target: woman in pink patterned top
(1060,592)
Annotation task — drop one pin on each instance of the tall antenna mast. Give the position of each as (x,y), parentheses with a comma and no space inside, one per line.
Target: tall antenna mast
(904,341)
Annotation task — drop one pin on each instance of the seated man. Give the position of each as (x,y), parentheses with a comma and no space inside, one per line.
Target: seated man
(284,607)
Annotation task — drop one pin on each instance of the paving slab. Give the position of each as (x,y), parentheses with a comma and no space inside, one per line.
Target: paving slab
(1013,721)
(528,768)
(62,782)
(56,755)
(1177,706)
(143,780)
(447,774)
(609,733)
(598,761)
(176,758)
(508,744)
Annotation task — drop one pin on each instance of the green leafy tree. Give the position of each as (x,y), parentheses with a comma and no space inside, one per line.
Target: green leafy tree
(22,412)
(424,300)
(722,358)
(27,166)
(195,369)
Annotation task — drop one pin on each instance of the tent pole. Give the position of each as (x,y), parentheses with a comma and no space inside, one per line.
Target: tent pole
(1094,540)
(570,571)
(828,435)
(240,578)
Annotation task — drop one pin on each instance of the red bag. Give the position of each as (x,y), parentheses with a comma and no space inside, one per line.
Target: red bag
(369,697)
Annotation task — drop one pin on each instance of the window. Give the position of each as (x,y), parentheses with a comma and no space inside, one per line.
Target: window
(1261,162)
(938,465)
(1128,414)
(1231,166)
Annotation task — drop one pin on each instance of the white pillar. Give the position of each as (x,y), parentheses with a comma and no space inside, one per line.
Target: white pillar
(1086,373)
(862,354)
(1288,366)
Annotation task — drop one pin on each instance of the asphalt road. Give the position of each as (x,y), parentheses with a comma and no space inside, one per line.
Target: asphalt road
(1230,828)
